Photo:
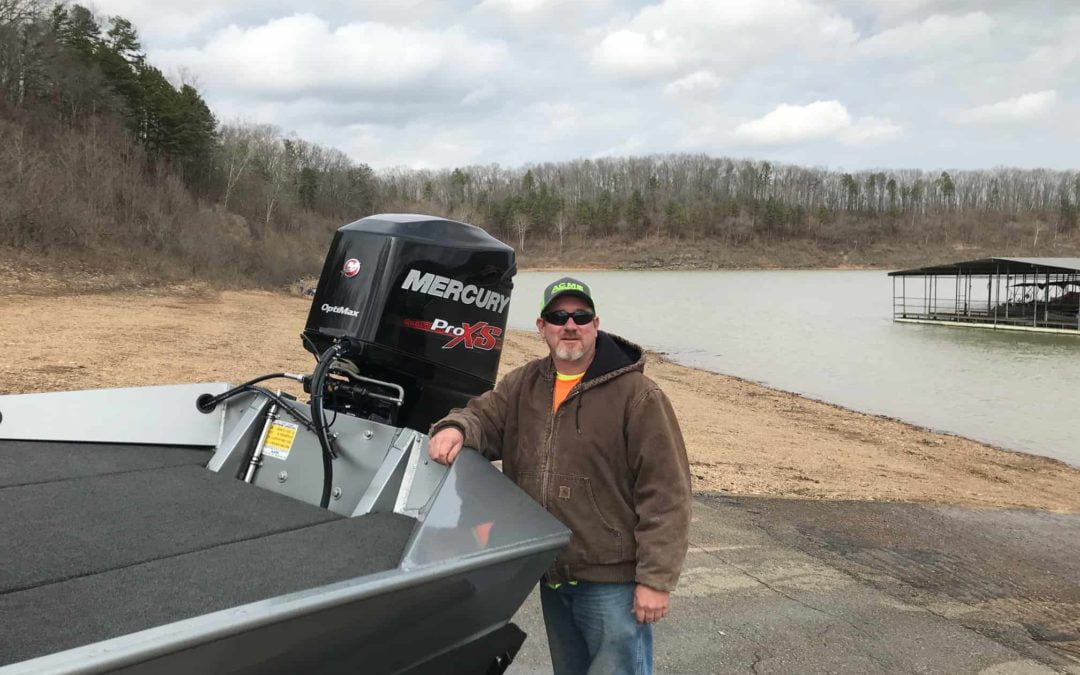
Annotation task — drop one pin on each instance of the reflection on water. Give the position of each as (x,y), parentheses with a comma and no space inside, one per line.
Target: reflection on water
(830,335)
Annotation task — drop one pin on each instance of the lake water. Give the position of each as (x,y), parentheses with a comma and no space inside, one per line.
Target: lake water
(830,335)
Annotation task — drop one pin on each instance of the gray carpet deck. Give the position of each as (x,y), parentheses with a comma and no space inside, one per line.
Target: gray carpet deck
(67,614)
(66,529)
(108,545)
(27,462)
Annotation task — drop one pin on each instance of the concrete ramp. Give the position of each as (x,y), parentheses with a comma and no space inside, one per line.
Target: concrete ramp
(796,586)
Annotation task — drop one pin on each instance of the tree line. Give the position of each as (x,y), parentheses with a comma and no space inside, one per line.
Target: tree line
(700,196)
(101,151)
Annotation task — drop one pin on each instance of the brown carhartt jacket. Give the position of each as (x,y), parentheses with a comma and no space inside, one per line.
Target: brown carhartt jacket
(610,464)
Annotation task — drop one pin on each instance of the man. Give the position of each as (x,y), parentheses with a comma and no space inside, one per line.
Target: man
(594,441)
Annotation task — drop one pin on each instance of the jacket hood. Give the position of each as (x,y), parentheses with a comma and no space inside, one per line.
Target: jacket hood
(614,356)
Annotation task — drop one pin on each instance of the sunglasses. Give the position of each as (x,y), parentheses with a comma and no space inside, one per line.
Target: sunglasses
(561,316)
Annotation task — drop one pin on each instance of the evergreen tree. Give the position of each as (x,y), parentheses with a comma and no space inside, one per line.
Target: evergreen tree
(307,187)
(361,195)
(458,181)
(76,28)
(1067,215)
(637,217)
(851,189)
(675,218)
(194,136)
(773,216)
(948,188)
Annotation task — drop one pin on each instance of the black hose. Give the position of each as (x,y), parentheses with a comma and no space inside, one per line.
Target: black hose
(293,412)
(310,344)
(207,402)
(318,388)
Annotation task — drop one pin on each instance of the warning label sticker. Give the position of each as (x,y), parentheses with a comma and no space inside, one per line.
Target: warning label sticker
(279,440)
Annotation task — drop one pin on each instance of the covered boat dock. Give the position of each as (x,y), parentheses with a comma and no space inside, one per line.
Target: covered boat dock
(1030,294)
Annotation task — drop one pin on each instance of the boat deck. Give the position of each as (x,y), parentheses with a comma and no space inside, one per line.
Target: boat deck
(101,540)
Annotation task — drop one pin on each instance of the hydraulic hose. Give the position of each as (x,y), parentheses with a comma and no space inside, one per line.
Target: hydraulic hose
(207,402)
(318,389)
(292,412)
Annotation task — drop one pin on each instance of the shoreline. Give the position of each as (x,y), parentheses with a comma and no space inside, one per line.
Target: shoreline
(742,437)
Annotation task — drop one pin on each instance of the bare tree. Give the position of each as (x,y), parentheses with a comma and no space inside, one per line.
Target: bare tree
(238,145)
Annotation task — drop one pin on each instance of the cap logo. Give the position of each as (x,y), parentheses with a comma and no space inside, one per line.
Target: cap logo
(566,286)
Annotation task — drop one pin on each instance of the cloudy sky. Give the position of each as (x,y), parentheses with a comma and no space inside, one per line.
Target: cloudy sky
(835,83)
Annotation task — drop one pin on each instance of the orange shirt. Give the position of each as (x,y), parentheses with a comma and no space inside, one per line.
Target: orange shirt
(563,385)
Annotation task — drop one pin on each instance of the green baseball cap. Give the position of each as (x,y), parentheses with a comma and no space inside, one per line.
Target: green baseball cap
(566,286)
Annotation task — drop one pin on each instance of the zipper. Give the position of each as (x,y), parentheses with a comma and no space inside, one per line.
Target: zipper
(547,462)
(548,450)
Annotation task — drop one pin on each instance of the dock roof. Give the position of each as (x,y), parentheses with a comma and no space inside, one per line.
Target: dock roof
(997,266)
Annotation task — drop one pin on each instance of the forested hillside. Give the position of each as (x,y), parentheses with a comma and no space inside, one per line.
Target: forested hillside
(104,157)
(104,160)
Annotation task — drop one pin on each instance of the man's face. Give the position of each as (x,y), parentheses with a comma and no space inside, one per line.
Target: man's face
(569,342)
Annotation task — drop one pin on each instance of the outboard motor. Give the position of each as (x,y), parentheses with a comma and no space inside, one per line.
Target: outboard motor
(407,322)
(409,317)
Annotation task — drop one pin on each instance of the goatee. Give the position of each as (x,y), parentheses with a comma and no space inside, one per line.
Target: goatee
(566,353)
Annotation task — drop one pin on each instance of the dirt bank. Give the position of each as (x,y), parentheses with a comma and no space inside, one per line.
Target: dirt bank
(742,437)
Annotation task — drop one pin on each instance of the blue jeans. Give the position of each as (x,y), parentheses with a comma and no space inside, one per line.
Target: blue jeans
(592,630)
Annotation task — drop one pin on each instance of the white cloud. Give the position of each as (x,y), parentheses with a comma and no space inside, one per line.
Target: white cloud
(929,36)
(887,12)
(479,95)
(820,120)
(634,145)
(547,20)
(924,76)
(794,123)
(302,55)
(676,37)
(866,131)
(517,6)
(1054,58)
(1022,108)
(633,54)
(416,145)
(558,119)
(1055,55)
(699,82)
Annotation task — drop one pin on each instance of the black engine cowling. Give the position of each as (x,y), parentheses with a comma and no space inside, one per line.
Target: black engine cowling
(422,302)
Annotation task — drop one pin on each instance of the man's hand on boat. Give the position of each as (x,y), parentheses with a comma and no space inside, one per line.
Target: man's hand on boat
(445,445)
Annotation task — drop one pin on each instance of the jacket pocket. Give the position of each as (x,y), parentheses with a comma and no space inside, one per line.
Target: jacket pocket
(596,540)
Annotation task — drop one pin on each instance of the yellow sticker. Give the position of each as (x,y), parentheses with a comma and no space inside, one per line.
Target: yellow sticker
(279,440)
